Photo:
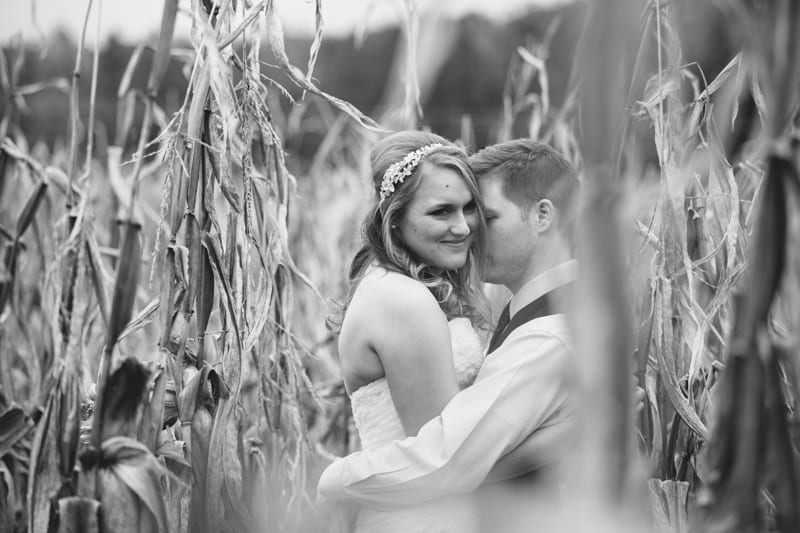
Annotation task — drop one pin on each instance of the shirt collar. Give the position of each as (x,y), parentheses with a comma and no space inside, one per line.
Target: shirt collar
(544,283)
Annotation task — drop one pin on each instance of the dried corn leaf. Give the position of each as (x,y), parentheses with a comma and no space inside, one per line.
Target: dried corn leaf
(9,517)
(204,305)
(9,147)
(141,319)
(153,416)
(54,449)
(758,97)
(98,276)
(223,469)
(173,291)
(733,66)
(195,260)
(194,120)
(276,41)
(172,452)
(6,234)
(666,353)
(657,440)
(220,80)
(14,426)
(247,22)
(226,185)
(129,466)
(213,247)
(31,206)
(127,281)
(315,44)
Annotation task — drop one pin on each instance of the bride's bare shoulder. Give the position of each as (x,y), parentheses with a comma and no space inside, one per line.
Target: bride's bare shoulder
(386,292)
(391,287)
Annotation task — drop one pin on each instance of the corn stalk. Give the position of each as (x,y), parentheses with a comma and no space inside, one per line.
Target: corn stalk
(605,348)
(227,283)
(754,473)
(54,450)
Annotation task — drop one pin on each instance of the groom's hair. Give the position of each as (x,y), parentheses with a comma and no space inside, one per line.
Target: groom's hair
(529,171)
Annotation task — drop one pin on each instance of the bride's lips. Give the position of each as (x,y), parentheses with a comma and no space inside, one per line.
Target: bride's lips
(456,243)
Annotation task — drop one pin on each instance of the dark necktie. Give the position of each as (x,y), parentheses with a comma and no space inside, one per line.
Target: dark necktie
(502,323)
(546,304)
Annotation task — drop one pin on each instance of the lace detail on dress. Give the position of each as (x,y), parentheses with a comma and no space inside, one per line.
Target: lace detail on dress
(468,351)
(376,419)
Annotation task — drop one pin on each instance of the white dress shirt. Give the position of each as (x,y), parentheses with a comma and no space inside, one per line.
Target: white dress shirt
(521,387)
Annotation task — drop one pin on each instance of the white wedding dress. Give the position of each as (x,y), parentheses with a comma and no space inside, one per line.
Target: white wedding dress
(377,422)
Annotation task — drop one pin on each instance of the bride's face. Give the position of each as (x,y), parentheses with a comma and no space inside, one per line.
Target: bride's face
(440,221)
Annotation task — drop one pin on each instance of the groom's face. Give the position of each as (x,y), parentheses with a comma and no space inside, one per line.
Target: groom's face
(510,237)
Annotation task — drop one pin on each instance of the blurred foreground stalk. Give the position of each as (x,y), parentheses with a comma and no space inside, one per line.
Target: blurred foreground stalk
(754,481)
(604,343)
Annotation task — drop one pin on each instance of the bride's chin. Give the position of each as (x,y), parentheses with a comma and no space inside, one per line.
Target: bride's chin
(451,265)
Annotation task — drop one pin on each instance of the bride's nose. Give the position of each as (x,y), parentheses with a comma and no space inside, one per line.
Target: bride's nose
(460,226)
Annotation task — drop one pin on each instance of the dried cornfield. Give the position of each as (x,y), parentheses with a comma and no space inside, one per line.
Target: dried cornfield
(164,364)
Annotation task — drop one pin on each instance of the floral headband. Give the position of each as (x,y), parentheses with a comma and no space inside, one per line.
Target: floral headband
(398,171)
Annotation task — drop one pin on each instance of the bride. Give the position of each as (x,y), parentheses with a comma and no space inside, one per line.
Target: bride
(408,332)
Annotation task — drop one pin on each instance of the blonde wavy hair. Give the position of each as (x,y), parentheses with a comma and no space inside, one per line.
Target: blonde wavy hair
(458,290)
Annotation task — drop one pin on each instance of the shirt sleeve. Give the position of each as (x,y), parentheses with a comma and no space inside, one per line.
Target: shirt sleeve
(520,387)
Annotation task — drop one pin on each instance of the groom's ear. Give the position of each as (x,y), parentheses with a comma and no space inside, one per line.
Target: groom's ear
(545,213)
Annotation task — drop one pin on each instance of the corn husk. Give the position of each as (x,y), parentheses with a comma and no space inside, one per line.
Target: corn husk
(130,488)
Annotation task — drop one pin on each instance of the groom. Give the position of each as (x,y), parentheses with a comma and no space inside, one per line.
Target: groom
(519,401)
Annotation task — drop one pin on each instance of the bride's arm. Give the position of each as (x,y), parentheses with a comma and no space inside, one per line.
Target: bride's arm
(414,347)
(543,447)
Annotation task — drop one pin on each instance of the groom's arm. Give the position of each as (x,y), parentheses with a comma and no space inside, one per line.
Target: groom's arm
(520,387)
(543,447)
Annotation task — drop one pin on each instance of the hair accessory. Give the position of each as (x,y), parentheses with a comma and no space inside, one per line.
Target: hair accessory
(398,171)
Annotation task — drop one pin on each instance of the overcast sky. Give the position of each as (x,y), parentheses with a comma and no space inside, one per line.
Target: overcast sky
(133,20)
